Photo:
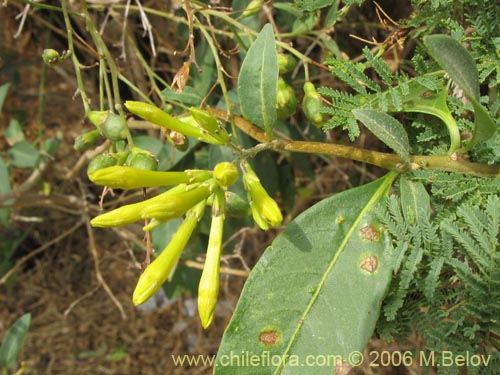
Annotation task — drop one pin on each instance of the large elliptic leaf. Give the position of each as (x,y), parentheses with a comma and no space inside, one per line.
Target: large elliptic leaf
(258,81)
(387,129)
(312,301)
(460,66)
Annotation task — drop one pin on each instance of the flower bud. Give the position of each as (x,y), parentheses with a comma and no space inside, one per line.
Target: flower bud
(208,289)
(155,115)
(160,269)
(131,213)
(311,105)
(51,57)
(100,162)
(252,8)
(176,205)
(122,177)
(86,140)
(265,210)
(217,137)
(204,119)
(114,127)
(225,174)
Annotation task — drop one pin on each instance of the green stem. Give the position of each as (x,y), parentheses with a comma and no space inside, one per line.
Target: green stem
(220,75)
(103,49)
(135,89)
(381,159)
(74,59)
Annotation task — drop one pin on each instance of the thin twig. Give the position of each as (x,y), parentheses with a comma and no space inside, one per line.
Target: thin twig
(37,251)
(225,270)
(95,255)
(80,299)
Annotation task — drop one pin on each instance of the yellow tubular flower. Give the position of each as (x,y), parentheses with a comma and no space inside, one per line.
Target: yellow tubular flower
(131,213)
(155,115)
(121,177)
(159,270)
(177,204)
(265,211)
(208,289)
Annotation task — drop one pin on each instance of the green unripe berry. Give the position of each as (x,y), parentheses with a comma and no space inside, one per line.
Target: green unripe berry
(286,63)
(286,100)
(100,162)
(311,105)
(144,161)
(236,206)
(114,127)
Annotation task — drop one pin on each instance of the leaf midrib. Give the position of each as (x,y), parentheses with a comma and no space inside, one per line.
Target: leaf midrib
(379,192)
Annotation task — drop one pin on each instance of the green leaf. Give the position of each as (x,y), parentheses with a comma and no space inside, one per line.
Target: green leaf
(387,129)
(456,61)
(14,132)
(484,126)
(189,96)
(4,188)
(313,291)
(415,201)
(258,81)
(13,341)
(23,155)
(460,66)
(435,104)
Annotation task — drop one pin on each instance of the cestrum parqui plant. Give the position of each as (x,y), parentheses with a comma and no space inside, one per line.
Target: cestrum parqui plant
(192,191)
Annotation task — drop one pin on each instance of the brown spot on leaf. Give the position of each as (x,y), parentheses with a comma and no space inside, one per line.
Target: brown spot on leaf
(370,233)
(370,263)
(342,367)
(426,94)
(269,338)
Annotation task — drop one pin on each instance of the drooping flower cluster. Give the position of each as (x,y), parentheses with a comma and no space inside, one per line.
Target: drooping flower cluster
(193,191)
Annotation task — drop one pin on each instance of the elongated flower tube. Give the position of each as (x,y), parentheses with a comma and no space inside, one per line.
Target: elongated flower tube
(208,289)
(177,204)
(155,115)
(210,125)
(131,213)
(121,177)
(265,211)
(160,269)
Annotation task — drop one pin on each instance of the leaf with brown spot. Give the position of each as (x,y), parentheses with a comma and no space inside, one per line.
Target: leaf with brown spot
(320,282)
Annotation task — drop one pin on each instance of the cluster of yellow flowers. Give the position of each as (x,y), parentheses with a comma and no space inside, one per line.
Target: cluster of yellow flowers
(194,191)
